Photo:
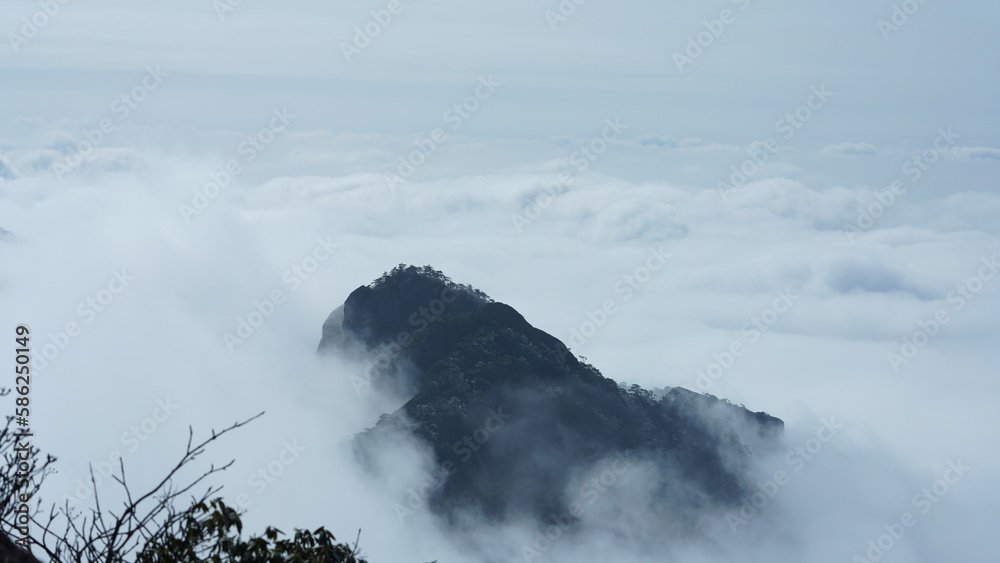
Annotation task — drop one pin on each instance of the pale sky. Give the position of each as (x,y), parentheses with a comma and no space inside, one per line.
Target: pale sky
(940,68)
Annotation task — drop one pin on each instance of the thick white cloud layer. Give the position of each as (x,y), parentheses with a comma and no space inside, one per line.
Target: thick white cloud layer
(815,303)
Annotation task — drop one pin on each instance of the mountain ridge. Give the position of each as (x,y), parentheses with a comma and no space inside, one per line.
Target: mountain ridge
(465,360)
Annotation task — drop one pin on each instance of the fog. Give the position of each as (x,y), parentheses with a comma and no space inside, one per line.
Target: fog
(853,265)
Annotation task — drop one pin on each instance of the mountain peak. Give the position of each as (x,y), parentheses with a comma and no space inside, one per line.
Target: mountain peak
(464,358)
(399,302)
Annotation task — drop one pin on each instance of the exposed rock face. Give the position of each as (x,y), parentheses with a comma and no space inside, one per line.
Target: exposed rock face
(517,417)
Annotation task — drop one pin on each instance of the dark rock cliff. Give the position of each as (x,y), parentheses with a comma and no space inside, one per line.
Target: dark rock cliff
(515,416)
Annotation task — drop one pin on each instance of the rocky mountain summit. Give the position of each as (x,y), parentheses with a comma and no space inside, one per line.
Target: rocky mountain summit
(515,420)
